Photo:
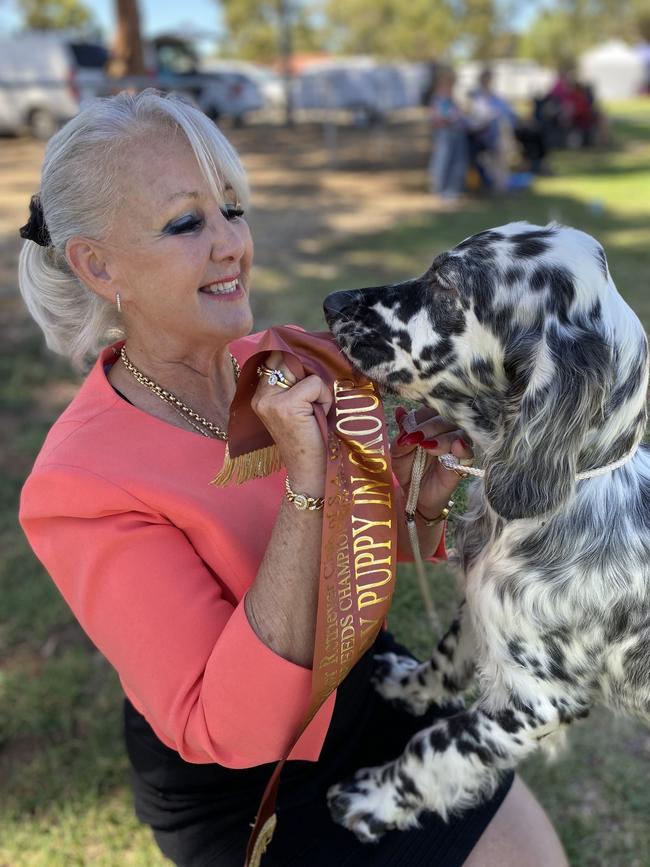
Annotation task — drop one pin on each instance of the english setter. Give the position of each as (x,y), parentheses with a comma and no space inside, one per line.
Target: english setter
(519,336)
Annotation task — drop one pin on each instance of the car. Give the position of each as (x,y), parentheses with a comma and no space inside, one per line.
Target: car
(45,78)
(219,93)
(269,82)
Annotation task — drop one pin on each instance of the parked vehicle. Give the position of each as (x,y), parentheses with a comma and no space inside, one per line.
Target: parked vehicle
(219,93)
(341,85)
(269,83)
(45,77)
(360,85)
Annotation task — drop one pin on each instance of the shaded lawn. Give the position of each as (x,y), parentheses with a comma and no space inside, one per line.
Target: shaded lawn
(65,799)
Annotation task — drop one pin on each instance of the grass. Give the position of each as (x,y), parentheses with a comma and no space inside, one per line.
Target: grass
(65,799)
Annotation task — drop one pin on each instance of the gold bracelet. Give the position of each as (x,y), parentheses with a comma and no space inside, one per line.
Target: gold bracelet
(302,501)
(444,514)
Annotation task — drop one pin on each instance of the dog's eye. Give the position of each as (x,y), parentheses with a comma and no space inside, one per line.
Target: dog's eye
(443,281)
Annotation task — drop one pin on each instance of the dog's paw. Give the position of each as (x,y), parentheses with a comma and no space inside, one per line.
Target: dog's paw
(369,805)
(395,678)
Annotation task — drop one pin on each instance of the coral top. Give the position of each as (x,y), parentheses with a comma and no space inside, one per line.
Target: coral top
(155,563)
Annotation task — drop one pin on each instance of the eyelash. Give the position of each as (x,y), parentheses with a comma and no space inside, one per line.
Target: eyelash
(184,226)
(230,212)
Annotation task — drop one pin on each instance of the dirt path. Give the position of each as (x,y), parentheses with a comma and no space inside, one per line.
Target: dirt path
(302,200)
(304,192)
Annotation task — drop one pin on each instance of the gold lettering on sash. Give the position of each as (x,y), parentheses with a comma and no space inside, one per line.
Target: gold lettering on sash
(376,572)
(374,403)
(357,554)
(366,525)
(341,386)
(372,488)
(358,535)
(373,425)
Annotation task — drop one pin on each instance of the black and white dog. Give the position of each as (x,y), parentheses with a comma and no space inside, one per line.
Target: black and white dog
(519,336)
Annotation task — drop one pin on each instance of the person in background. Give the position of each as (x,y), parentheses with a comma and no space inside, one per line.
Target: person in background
(450,156)
(493,125)
(569,111)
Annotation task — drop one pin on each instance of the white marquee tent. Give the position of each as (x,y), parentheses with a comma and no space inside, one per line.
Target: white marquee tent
(614,69)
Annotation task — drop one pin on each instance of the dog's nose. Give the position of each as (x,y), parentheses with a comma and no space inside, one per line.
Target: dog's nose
(336,305)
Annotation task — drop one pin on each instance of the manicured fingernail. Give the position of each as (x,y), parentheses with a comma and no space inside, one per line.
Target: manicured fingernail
(410,439)
(400,412)
(463,443)
(429,444)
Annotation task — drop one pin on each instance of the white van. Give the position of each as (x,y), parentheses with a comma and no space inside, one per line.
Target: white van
(44,78)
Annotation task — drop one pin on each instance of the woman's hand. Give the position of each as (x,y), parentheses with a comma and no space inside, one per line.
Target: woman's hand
(281,603)
(437,437)
(288,415)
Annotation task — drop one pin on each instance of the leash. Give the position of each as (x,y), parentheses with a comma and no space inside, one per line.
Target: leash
(451,462)
(417,471)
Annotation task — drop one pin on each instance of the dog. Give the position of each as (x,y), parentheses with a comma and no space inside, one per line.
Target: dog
(519,336)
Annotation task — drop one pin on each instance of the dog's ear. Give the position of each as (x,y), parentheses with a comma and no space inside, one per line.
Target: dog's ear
(565,380)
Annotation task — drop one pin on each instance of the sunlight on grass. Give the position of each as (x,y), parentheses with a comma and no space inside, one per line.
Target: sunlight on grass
(98,832)
(622,238)
(628,196)
(638,106)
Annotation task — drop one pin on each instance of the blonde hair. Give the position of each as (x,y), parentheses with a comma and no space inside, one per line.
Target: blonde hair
(80,195)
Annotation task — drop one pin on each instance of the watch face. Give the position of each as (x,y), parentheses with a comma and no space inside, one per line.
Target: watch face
(300,501)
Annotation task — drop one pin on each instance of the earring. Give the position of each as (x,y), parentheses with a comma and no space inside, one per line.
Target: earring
(118,302)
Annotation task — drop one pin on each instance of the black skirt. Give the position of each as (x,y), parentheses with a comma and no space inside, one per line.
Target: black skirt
(201,814)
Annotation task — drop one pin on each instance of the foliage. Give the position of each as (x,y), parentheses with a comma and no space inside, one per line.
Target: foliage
(56,14)
(643,25)
(255,28)
(562,32)
(419,30)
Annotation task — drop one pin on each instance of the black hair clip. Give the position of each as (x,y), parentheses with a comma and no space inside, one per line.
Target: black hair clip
(35,229)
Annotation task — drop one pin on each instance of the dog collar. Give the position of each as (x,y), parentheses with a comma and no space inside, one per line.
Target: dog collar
(451,462)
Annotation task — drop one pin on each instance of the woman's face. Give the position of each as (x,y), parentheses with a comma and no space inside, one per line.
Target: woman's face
(181,260)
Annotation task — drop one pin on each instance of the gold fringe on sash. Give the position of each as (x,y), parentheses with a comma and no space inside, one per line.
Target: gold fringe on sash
(263,839)
(253,465)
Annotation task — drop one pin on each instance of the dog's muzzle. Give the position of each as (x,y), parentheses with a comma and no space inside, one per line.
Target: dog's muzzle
(339,306)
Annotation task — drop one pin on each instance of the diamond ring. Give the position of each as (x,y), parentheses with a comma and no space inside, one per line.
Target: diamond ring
(451,462)
(275,376)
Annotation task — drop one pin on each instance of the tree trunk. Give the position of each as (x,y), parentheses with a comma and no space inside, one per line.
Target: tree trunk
(286,57)
(127,55)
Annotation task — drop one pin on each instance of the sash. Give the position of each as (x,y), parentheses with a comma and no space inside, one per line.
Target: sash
(358,548)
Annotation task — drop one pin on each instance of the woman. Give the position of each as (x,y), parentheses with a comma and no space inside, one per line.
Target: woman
(204,599)
(449,156)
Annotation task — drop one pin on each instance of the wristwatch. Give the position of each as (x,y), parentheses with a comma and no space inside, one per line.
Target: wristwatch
(302,501)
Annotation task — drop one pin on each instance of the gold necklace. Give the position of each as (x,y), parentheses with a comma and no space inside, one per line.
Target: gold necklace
(191,417)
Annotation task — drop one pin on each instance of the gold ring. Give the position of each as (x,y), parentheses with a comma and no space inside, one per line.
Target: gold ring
(275,376)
